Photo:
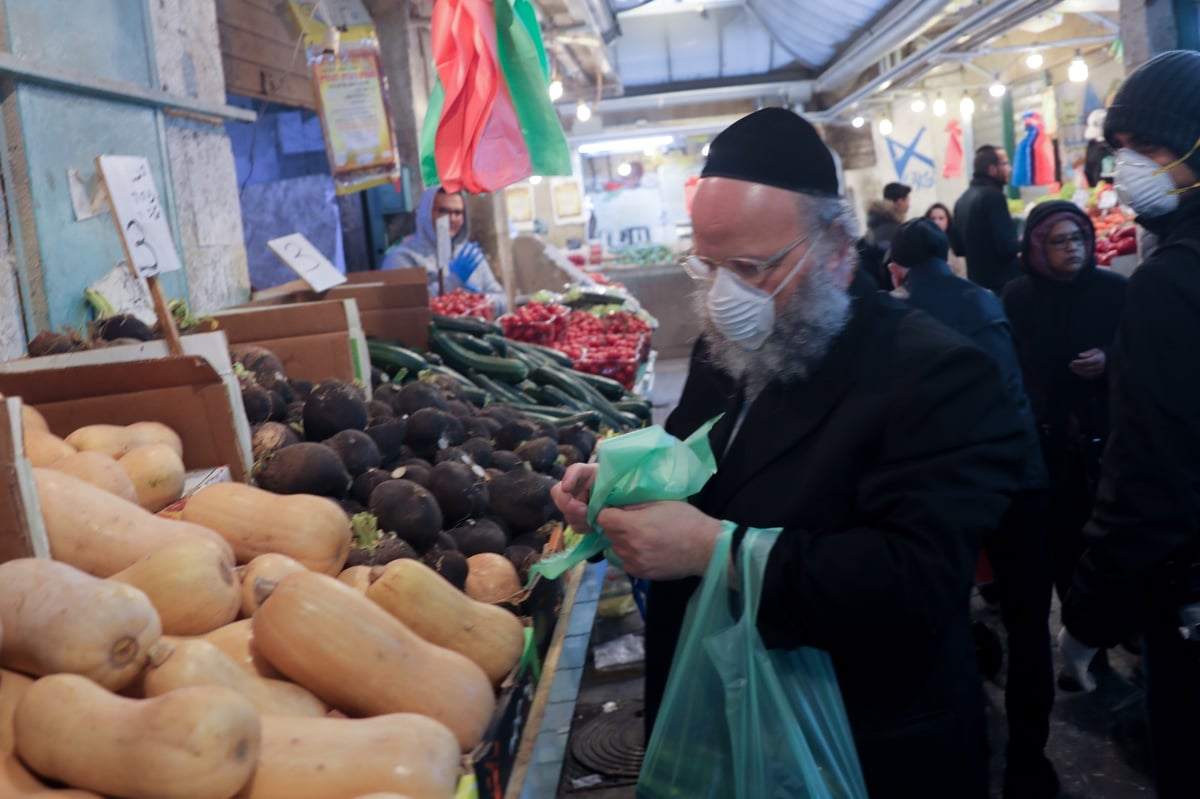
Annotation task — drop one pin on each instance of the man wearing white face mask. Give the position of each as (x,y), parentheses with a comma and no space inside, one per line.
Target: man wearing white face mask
(1142,570)
(880,441)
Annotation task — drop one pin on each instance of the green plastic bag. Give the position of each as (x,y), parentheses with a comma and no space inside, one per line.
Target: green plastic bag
(742,721)
(647,465)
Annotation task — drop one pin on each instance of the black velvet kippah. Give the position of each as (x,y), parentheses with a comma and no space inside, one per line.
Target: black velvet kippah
(775,147)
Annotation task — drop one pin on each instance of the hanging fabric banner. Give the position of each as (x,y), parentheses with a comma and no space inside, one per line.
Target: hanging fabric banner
(490,122)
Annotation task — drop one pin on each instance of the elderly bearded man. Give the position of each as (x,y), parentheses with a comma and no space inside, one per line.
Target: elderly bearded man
(880,441)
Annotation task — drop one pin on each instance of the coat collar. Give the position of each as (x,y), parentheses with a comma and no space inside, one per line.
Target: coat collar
(786,413)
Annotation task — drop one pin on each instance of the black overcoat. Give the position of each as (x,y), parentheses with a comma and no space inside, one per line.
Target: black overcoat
(886,468)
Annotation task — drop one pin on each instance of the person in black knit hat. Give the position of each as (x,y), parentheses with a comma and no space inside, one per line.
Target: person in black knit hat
(1141,572)
(881,443)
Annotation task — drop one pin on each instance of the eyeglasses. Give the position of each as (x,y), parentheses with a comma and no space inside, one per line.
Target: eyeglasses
(448,211)
(1067,242)
(749,269)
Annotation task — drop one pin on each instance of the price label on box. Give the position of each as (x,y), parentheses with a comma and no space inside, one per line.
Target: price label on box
(307,261)
(139,214)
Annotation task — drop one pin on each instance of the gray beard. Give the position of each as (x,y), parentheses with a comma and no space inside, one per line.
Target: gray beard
(804,329)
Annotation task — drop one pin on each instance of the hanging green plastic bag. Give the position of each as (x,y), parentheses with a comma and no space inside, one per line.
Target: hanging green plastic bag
(647,465)
(742,721)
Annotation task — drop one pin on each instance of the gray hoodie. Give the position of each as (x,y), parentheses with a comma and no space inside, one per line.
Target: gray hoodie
(420,250)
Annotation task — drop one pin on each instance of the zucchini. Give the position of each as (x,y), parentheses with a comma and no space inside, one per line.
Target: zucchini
(552,376)
(466,324)
(391,358)
(546,353)
(499,344)
(462,359)
(551,411)
(552,395)
(589,418)
(611,389)
(475,344)
(639,408)
(500,390)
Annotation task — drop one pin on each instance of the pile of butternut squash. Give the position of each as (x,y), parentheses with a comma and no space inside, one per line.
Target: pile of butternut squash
(226,653)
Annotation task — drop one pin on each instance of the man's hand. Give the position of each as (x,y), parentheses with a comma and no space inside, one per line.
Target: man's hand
(572,495)
(1076,658)
(661,540)
(1088,364)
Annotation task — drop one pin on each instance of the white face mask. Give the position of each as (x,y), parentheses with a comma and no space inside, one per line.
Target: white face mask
(1144,185)
(743,313)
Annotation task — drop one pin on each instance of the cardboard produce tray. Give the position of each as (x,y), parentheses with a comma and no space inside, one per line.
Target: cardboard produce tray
(22,533)
(196,395)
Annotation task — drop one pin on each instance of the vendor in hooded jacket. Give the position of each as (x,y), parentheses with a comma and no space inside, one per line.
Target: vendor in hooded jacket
(881,442)
(467,268)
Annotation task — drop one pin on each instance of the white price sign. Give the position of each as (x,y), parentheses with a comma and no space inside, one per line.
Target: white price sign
(139,214)
(306,261)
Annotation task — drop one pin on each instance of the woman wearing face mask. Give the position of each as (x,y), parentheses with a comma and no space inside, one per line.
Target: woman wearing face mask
(1064,314)
(1139,572)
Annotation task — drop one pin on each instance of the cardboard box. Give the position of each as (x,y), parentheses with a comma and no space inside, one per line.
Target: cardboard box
(316,341)
(22,534)
(392,304)
(197,395)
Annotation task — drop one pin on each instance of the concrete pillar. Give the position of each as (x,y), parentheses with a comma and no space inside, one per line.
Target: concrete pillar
(407,63)
(1148,27)
(489,227)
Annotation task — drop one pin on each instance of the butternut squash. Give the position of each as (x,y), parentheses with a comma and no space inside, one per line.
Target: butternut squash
(237,641)
(193,743)
(312,530)
(99,470)
(190,582)
(32,419)
(43,448)
(157,474)
(359,577)
(400,753)
(490,636)
(16,782)
(56,619)
(12,688)
(101,533)
(194,661)
(261,575)
(114,440)
(347,650)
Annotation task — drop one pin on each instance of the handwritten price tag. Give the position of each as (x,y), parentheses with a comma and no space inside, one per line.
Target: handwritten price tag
(139,214)
(306,261)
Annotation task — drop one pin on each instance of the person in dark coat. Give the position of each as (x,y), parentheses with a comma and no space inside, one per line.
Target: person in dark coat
(983,232)
(1143,561)
(881,442)
(1017,549)
(883,217)
(1064,313)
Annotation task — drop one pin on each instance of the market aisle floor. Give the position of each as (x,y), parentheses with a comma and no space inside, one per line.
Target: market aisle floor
(1096,741)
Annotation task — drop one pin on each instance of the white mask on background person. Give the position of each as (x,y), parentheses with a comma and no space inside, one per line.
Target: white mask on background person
(1144,185)
(743,313)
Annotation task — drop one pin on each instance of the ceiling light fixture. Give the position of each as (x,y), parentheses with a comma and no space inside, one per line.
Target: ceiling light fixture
(583,112)
(624,168)
(1078,71)
(555,89)
(1034,60)
(996,89)
(966,106)
(939,106)
(918,105)
(858,122)
(885,126)
(535,179)
(625,145)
